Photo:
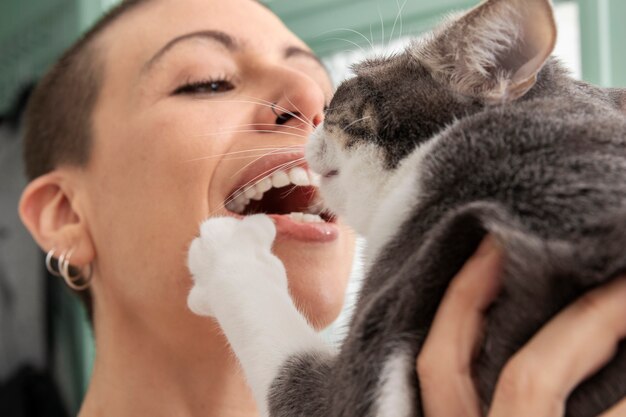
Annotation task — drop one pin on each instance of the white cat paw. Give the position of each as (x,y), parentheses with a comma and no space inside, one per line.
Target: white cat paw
(230,258)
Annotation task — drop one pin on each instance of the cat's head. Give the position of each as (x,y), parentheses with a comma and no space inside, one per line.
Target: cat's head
(487,56)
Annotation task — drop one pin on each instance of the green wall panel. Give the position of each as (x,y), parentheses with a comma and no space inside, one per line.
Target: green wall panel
(33,33)
(602,36)
(329,26)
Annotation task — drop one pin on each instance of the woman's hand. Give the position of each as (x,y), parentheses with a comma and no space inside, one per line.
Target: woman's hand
(538,379)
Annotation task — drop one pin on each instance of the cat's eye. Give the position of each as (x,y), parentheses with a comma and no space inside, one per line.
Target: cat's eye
(203,87)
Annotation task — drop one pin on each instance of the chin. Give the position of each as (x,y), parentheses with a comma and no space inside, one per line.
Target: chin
(318,276)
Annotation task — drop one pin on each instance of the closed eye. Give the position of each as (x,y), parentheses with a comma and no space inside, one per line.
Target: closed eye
(212,86)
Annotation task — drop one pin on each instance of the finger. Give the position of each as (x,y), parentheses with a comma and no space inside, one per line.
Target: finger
(444,363)
(618,410)
(540,377)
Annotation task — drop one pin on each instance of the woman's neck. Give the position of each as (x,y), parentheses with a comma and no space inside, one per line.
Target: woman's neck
(138,373)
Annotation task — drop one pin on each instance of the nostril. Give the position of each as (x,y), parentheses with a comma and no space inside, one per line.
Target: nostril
(281,119)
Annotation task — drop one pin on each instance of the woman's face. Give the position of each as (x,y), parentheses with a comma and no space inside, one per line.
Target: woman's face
(177,126)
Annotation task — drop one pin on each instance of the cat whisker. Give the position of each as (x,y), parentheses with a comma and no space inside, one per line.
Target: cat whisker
(338,107)
(283,109)
(265,103)
(349,30)
(398,15)
(272,125)
(356,121)
(245,157)
(228,132)
(281,152)
(310,122)
(321,204)
(350,42)
(261,177)
(249,151)
(401,18)
(298,160)
(242,189)
(382,25)
(265,174)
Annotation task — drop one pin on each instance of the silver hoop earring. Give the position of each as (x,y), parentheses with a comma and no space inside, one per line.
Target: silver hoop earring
(74,282)
(49,267)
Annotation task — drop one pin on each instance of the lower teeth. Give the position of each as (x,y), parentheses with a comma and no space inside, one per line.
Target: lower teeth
(306,218)
(296,216)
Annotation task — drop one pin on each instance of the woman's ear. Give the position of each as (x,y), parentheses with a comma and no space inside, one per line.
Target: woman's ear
(50,211)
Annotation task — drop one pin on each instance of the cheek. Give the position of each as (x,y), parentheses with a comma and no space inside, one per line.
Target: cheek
(149,191)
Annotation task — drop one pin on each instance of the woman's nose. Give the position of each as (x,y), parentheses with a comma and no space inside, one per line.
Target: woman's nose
(298,101)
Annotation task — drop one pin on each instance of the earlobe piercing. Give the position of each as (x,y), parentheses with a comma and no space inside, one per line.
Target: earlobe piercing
(78,282)
(49,267)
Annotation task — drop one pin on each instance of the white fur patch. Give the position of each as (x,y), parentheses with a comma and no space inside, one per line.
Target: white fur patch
(243,285)
(400,202)
(373,200)
(363,184)
(395,391)
(357,189)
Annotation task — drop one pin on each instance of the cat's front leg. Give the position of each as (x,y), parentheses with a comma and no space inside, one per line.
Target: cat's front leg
(243,285)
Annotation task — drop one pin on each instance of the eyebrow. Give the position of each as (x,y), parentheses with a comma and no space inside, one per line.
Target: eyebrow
(296,50)
(228,42)
(220,37)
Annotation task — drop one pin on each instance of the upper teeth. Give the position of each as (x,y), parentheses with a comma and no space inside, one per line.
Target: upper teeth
(296,176)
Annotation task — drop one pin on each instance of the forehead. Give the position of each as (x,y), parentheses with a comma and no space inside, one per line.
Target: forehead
(137,36)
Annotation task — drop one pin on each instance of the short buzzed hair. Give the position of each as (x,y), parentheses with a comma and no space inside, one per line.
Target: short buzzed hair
(58,126)
(58,123)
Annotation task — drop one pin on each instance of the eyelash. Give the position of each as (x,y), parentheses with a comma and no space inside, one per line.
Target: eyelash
(209,86)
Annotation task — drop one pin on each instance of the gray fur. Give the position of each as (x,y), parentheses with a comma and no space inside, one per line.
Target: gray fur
(544,173)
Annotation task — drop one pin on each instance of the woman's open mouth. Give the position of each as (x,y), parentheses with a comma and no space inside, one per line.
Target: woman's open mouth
(286,191)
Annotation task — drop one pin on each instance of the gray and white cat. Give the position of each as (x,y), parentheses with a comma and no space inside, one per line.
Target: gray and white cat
(474,130)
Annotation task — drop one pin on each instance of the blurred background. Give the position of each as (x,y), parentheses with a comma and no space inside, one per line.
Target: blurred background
(45,343)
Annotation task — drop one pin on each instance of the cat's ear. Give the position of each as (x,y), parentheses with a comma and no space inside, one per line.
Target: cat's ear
(493,52)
